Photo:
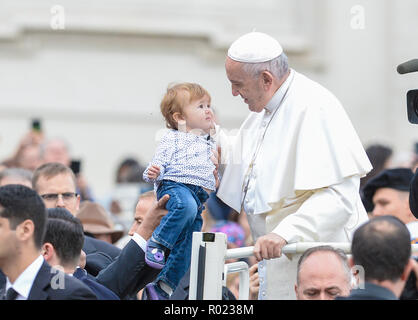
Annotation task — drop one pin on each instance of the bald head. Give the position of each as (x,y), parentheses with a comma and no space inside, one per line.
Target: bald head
(322,274)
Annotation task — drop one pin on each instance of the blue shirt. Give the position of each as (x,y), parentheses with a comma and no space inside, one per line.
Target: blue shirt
(184,157)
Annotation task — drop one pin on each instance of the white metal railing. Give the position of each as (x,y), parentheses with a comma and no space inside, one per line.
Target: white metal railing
(208,271)
(244,277)
(299,247)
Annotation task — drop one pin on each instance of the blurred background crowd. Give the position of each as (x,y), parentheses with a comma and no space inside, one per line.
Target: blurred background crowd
(109,218)
(80,85)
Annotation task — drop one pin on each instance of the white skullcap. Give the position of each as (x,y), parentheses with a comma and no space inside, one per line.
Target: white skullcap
(254,47)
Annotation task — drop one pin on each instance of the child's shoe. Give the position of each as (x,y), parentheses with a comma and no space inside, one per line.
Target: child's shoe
(154,292)
(155,255)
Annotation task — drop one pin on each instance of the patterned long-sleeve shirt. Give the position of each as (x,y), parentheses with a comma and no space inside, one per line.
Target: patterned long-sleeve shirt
(186,158)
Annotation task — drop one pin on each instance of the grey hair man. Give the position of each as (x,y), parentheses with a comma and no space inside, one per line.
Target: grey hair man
(16,176)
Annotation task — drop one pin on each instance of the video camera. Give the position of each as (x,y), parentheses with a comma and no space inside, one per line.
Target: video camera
(410,292)
(412,95)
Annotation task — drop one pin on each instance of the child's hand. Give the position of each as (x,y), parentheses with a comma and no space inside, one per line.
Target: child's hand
(153,172)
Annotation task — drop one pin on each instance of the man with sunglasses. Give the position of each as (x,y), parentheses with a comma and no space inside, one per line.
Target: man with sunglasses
(56,184)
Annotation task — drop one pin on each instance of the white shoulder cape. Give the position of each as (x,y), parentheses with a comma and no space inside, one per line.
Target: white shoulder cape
(310,144)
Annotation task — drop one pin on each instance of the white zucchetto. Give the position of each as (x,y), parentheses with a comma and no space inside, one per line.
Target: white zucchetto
(255,47)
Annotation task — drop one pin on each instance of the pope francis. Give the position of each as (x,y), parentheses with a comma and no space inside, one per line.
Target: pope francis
(294,167)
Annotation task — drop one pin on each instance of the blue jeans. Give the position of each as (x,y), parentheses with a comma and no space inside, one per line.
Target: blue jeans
(177,226)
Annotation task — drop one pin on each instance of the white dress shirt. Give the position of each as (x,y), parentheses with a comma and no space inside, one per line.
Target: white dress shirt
(413,230)
(141,242)
(24,281)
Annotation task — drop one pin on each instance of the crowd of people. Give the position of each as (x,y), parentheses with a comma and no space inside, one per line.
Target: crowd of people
(296,172)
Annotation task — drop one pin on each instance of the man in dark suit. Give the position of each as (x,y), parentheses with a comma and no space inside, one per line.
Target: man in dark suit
(382,248)
(22,228)
(131,262)
(2,279)
(128,273)
(56,184)
(144,225)
(62,246)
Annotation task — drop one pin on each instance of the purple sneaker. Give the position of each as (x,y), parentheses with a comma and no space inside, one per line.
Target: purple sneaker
(155,255)
(154,292)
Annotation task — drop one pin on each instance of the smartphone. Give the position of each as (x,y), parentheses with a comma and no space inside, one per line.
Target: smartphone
(36,125)
(76,166)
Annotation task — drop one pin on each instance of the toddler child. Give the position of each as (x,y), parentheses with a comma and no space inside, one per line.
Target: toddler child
(183,168)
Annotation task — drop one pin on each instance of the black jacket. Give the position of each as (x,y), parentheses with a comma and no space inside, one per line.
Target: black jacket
(129,273)
(370,292)
(43,286)
(99,254)
(98,289)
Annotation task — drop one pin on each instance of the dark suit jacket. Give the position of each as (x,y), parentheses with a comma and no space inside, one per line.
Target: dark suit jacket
(2,280)
(413,195)
(182,290)
(129,273)
(99,254)
(73,289)
(99,290)
(370,292)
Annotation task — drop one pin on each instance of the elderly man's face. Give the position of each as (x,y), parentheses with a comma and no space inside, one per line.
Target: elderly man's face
(322,277)
(249,88)
(59,192)
(388,201)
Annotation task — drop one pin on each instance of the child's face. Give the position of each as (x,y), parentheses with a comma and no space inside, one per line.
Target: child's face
(199,115)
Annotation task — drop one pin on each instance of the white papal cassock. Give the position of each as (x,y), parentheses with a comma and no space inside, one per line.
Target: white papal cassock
(304,181)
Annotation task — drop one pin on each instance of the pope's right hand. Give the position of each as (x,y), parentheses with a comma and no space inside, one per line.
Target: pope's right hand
(269,246)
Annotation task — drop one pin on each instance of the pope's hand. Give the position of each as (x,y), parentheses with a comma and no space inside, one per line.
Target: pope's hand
(269,246)
(216,160)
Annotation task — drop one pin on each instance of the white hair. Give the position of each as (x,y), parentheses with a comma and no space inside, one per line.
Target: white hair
(17,173)
(278,67)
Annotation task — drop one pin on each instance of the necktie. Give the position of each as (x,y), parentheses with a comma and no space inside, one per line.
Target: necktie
(11,294)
